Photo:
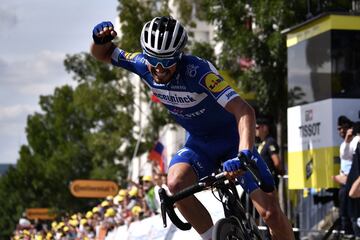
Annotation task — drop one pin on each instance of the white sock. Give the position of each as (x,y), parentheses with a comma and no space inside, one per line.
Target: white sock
(208,234)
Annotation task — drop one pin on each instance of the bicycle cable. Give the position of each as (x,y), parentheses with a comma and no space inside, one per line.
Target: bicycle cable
(213,193)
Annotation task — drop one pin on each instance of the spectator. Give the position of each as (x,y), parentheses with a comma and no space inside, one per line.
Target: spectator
(24,223)
(149,195)
(137,213)
(268,148)
(160,182)
(109,219)
(345,132)
(354,203)
(125,207)
(133,197)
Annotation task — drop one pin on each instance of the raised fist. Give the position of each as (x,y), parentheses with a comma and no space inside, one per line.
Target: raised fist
(103,33)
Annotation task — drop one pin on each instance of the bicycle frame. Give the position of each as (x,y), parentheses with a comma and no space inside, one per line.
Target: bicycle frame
(219,182)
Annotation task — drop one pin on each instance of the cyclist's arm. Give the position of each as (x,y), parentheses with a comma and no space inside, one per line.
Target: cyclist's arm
(102,52)
(273,149)
(245,117)
(109,53)
(277,163)
(233,103)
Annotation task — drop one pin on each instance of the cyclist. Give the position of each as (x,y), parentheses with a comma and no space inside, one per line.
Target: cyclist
(213,114)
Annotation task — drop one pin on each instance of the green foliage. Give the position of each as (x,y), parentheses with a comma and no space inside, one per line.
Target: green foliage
(79,131)
(204,50)
(252,30)
(76,135)
(133,15)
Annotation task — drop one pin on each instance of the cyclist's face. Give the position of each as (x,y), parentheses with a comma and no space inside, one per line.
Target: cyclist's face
(160,74)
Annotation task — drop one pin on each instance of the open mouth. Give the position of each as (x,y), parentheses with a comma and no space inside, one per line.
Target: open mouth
(160,76)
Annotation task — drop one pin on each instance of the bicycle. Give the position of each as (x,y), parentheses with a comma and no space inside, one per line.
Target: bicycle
(237,224)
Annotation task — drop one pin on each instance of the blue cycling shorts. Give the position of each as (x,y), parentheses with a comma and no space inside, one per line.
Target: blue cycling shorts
(206,154)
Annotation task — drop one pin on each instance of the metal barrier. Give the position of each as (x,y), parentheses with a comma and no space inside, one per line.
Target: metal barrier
(312,213)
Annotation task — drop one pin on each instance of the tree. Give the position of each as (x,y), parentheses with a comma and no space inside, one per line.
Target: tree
(252,30)
(78,133)
(133,15)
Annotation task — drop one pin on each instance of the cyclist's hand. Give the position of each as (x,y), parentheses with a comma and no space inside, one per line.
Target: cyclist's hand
(232,168)
(103,33)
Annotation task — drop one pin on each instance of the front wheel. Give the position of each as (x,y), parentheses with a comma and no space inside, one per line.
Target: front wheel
(228,229)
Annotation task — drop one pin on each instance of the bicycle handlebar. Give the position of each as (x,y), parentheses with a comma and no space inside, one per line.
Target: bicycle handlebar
(167,202)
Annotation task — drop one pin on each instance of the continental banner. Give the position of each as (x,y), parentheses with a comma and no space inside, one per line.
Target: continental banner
(93,188)
(40,214)
(313,141)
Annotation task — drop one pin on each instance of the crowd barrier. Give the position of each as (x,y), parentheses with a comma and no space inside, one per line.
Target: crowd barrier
(152,228)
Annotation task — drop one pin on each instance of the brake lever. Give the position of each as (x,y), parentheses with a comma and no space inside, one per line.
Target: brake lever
(165,202)
(162,195)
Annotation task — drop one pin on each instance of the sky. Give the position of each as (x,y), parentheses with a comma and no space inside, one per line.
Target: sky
(35,36)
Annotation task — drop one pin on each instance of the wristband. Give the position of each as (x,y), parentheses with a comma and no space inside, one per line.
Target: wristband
(247,153)
(102,40)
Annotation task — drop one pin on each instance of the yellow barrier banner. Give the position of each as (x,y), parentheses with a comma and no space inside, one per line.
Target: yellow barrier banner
(313,168)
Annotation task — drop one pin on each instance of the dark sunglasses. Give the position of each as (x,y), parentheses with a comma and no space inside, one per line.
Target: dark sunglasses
(164,62)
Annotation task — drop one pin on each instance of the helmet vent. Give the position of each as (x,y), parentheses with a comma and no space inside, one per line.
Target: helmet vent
(178,37)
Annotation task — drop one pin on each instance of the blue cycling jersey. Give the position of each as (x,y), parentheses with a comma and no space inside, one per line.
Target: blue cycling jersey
(195,97)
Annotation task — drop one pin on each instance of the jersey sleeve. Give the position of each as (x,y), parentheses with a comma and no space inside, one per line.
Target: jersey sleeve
(273,146)
(134,62)
(215,85)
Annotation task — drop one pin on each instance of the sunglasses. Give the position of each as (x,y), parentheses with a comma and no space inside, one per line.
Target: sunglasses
(164,62)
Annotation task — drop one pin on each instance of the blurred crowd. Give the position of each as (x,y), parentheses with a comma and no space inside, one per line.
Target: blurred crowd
(137,201)
(349,151)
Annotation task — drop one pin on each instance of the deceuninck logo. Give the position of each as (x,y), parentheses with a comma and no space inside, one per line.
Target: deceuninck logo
(179,98)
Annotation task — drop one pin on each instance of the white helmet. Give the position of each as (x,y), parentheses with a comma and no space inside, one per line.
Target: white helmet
(163,37)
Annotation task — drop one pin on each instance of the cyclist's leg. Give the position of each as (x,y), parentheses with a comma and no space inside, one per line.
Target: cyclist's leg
(267,204)
(269,209)
(180,176)
(184,171)
(196,160)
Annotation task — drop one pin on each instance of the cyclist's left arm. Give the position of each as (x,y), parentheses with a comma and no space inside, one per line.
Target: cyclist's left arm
(245,117)
(227,97)
(103,49)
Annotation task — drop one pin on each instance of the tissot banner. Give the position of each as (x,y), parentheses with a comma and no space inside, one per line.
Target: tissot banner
(313,141)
